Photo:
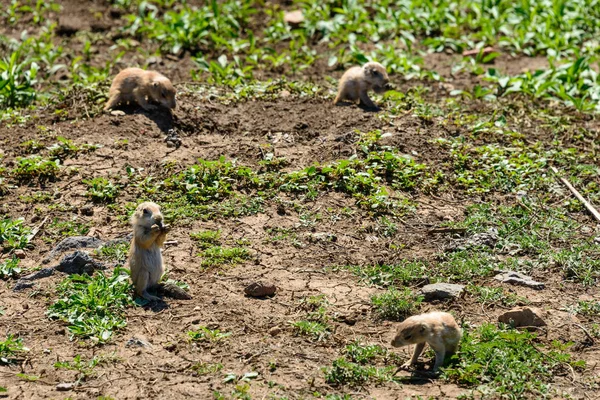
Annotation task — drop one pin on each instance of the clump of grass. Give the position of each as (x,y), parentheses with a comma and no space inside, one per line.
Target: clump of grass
(101,190)
(35,167)
(202,368)
(316,323)
(204,334)
(508,363)
(217,256)
(85,368)
(314,329)
(93,306)
(67,228)
(206,239)
(10,348)
(116,252)
(389,274)
(496,295)
(65,148)
(13,234)
(344,372)
(9,268)
(396,305)
(589,308)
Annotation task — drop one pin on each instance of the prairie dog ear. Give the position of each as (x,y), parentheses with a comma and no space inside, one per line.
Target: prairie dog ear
(422,328)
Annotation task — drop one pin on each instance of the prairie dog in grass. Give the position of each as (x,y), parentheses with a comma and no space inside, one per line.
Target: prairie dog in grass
(358,81)
(439,329)
(134,85)
(145,258)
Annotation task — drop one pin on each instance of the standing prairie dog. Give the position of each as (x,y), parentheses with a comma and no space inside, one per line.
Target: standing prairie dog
(358,81)
(134,85)
(145,259)
(439,329)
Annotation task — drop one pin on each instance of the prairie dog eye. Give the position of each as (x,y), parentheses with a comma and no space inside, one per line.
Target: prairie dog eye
(146,211)
(407,337)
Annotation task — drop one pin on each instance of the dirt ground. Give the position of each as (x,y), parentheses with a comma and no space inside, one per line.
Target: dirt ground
(303,130)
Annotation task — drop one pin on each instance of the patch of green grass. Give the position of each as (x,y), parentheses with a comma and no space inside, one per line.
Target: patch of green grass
(10,348)
(67,228)
(508,363)
(344,372)
(202,368)
(396,305)
(580,263)
(31,146)
(35,167)
(588,308)
(36,197)
(66,148)
(364,354)
(204,334)
(313,329)
(116,252)
(10,268)
(17,80)
(101,190)
(93,306)
(389,274)
(496,295)
(465,265)
(206,239)
(13,234)
(85,368)
(218,256)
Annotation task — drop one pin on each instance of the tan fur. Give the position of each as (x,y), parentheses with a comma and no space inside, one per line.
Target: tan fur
(145,259)
(439,329)
(358,81)
(134,85)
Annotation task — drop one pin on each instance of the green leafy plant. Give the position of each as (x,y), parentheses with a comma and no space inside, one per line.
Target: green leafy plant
(13,234)
(395,304)
(36,167)
(93,306)
(204,334)
(9,268)
(10,348)
(101,189)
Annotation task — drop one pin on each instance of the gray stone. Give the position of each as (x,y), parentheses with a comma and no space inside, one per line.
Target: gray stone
(71,243)
(525,316)
(78,263)
(322,237)
(65,386)
(117,113)
(137,342)
(22,285)
(487,239)
(516,278)
(42,273)
(441,291)
(260,289)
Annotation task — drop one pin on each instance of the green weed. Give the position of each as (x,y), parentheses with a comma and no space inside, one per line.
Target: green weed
(35,167)
(204,334)
(101,190)
(396,305)
(10,348)
(85,368)
(10,268)
(93,306)
(13,234)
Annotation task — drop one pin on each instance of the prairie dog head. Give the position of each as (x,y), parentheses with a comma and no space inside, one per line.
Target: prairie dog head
(376,76)
(163,92)
(146,215)
(409,332)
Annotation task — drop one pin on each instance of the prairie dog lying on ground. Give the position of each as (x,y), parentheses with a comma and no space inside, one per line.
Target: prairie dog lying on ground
(439,329)
(357,81)
(145,258)
(134,85)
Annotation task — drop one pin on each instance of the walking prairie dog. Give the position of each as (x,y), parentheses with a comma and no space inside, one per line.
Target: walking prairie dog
(357,81)
(439,329)
(134,85)
(145,258)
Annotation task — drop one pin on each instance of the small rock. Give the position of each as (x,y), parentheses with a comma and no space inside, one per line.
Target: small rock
(42,273)
(67,26)
(65,386)
(154,60)
(284,93)
(322,237)
(20,254)
(525,316)
(137,342)
(441,291)
(70,243)
(260,289)
(597,239)
(87,210)
(78,263)
(274,331)
(294,18)
(117,113)
(516,278)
